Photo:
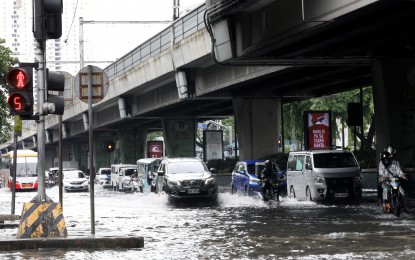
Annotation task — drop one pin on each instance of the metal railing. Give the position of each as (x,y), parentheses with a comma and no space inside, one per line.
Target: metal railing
(177,31)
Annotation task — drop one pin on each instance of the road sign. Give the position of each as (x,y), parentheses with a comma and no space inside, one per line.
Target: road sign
(99,80)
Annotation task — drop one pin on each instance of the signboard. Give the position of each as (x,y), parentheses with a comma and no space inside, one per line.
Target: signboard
(317,127)
(97,78)
(155,149)
(213,144)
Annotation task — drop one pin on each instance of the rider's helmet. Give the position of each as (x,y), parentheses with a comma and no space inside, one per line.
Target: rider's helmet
(267,164)
(386,158)
(390,150)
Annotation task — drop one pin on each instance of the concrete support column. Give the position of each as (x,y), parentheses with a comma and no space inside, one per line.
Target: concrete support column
(127,145)
(258,125)
(141,134)
(179,136)
(102,157)
(394,94)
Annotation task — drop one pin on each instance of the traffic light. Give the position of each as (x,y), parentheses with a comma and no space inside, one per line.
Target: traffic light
(110,147)
(20,82)
(47,22)
(54,104)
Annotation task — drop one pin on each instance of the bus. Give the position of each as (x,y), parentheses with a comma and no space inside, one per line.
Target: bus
(26,169)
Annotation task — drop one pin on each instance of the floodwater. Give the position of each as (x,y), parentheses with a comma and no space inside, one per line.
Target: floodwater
(237,227)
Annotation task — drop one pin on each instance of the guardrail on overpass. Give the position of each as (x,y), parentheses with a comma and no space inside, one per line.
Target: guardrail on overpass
(180,29)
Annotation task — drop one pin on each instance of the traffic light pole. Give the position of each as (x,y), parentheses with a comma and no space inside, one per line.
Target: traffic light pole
(41,90)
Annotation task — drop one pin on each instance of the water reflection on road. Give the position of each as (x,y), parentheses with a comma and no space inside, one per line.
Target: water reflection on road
(237,228)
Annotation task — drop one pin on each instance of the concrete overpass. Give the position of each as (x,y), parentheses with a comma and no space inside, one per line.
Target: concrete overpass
(244,58)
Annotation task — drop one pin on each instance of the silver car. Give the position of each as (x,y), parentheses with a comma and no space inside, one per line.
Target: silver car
(187,179)
(75,181)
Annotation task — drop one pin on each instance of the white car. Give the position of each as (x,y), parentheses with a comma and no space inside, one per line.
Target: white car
(103,177)
(75,181)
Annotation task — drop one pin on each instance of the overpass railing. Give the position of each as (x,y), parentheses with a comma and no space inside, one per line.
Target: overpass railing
(177,31)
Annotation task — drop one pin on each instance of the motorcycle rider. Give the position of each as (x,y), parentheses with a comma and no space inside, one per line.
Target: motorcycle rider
(268,174)
(388,168)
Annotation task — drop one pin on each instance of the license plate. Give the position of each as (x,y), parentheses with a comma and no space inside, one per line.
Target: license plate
(193,191)
(27,186)
(341,195)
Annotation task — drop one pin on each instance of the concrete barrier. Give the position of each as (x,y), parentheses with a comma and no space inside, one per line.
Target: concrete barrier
(223,180)
(72,243)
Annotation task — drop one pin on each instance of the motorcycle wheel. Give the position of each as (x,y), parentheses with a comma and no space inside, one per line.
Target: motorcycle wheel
(396,206)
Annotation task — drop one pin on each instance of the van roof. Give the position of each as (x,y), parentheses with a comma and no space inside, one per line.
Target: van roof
(148,160)
(322,151)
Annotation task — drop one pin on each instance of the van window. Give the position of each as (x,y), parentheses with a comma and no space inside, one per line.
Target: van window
(334,160)
(295,162)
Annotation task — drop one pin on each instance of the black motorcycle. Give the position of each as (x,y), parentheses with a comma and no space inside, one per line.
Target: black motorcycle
(394,201)
(271,189)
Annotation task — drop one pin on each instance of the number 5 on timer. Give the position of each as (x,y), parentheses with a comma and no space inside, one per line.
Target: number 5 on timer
(20,84)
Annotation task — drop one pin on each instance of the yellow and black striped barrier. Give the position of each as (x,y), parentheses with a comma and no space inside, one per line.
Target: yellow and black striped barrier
(42,219)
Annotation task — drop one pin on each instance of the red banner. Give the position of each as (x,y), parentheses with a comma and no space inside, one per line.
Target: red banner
(155,149)
(319,134)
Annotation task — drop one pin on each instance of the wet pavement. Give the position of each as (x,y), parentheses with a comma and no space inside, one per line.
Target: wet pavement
(237,227)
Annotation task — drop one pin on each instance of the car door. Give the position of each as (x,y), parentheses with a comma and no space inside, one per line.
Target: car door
(237,176)
(299,181)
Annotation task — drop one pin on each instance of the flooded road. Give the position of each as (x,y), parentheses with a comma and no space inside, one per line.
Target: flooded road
(237,228)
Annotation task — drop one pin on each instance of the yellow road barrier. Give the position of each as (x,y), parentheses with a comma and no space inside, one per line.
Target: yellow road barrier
(41,219)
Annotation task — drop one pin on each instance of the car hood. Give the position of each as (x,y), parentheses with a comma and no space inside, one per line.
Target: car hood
(74,179)
(189,176)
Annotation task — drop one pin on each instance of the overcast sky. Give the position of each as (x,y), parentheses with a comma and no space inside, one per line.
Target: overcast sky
(111,41)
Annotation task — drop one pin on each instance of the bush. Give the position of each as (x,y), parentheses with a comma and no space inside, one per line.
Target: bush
(223,166)
(367,157)
(280,159)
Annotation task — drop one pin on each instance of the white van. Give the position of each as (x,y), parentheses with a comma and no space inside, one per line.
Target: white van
(323,174)
(115,170)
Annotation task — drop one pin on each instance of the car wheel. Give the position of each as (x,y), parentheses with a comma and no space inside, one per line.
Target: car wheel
(308,194)
(141,189)
(292,192)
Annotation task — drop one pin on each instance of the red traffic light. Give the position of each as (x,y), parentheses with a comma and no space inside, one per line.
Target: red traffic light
(19,103)
(20,78)
(20,84)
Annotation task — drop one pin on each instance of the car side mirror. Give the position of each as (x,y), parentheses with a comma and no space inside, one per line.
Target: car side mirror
(308,166)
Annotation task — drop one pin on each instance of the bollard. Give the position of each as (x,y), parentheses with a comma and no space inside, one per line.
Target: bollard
(41,219)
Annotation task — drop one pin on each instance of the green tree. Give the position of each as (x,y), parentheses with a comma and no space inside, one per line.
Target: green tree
(6,61)
(337,104)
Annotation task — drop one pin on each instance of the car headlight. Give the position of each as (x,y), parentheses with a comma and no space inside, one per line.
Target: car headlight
(173,182)
(210,181)
(86,182)
(253,180)
(318,179)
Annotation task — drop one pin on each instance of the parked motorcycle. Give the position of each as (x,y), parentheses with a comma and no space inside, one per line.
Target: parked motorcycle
(272,190)
(394,201)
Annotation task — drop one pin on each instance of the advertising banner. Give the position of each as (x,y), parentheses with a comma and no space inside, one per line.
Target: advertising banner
(155,149)
(213,144)
(317,129)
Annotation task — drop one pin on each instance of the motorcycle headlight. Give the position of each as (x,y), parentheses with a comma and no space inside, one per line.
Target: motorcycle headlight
(318,179)
(210,181)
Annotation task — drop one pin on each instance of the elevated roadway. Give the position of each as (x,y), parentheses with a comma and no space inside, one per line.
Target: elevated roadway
(221,60)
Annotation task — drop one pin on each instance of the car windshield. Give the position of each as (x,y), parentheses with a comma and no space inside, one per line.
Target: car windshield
(251,168)
(71,175)
(334,160)
(106,172)
(129,172)
(186,167)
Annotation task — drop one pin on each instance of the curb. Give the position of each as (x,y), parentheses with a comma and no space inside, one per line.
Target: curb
(70,243)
